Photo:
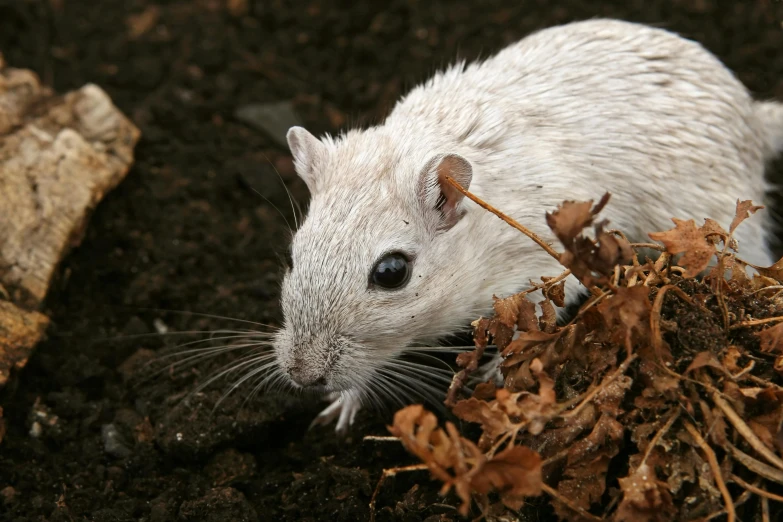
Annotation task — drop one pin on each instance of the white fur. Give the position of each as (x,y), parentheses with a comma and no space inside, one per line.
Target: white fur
(567,113)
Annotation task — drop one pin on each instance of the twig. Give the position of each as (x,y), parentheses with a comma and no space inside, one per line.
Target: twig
(554,494)
(772,287)
(753,489)
(755,322)
(664,429)
(543,244)
(657,268)
(744,371)
(381,438)
(713,462)
(758,467)
(745,431)
(724,309)
(390,473)
(655,320)
(737,503)
(548,284)
(765,509)
(653,246)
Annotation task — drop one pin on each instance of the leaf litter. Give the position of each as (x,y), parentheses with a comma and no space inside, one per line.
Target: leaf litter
(661,399)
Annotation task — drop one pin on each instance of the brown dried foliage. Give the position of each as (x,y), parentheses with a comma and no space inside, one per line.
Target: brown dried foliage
(675,379)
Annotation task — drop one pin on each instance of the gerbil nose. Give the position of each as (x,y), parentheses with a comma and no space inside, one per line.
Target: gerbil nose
(306,377)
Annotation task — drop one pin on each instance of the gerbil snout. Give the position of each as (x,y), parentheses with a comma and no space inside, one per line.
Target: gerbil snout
(305,374)
(310,361)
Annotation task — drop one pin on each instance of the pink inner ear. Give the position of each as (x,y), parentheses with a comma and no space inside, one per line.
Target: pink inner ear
(454,167)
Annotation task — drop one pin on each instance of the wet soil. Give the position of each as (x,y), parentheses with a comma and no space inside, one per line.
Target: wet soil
(188,231)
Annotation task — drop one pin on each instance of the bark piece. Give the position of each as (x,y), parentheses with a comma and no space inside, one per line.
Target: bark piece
(59,156)
(20,331)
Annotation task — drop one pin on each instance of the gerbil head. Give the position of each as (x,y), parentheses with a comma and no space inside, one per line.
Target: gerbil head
(374,264)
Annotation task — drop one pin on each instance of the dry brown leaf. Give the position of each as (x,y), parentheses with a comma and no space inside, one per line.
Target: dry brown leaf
(459,464)
(527,340)
(704,359)
(627,313)
(645,498)
(712,228)
(688,239)
(588,460)
(556,292)
(771,339)
(774,274)
(493,419)
(744,210)
(507,309)
(527,321)
(739,273)
(586,257)
(548,321)
(514,472)
(571,217)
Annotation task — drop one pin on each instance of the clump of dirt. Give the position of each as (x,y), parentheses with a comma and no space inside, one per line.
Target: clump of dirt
(660,400)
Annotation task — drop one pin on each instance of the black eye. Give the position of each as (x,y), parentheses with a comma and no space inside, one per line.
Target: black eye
(289,258)
(391,271)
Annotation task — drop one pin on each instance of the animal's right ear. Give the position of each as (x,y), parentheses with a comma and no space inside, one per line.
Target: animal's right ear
(307,151)
(436,193)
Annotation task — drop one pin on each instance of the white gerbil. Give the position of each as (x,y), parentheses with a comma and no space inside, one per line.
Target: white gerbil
(390,256)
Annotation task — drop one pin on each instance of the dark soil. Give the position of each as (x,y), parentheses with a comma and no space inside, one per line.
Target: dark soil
(187,231)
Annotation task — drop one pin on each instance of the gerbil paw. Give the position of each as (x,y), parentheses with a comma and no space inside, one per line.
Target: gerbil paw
(490,371)
(343,408)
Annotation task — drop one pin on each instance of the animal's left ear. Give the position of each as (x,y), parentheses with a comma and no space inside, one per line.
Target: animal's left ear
(438,194)
(307,151)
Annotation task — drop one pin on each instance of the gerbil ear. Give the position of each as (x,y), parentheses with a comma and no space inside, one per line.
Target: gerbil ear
(438,194)
(307,150)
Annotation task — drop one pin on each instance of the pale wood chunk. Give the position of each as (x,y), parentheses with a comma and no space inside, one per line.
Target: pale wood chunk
(59,156)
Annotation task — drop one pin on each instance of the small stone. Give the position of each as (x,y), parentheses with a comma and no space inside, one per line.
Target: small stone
(36,430)
(274,119)
(113,443)
(160,326)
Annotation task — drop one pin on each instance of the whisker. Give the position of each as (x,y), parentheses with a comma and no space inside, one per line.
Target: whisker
(275,207)
(202,354)
(446,349)
(249,375)
(433,358)
(394,393)
(226,370)
(260,342)
(424,367)
(291,199)
(175,333)
(201,314)
(442,378)
(420,388)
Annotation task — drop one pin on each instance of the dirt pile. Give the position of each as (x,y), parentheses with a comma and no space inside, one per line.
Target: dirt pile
(660,400)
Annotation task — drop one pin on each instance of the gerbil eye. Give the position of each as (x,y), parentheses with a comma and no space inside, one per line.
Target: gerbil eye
(391,271)
(289,258)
